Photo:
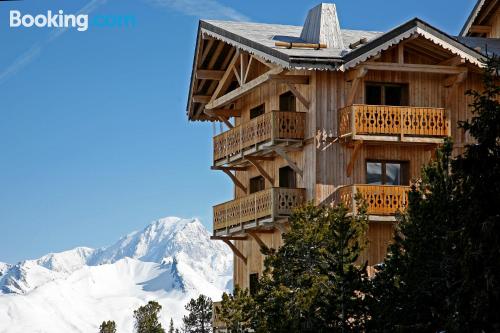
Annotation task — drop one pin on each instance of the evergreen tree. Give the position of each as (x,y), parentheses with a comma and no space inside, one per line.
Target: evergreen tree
(475,292)
(237,310)
(171,327)
(146,318)
(107,327)
(312,283)
(200,315)
(409,292)
(443,271)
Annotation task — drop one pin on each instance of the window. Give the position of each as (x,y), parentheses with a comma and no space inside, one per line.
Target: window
(288,102)
(387,173)
(257,184)
(257,111)
(287,177)
(386,94)
(254,283)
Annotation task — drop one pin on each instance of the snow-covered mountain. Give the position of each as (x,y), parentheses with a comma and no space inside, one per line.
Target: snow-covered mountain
(170,261)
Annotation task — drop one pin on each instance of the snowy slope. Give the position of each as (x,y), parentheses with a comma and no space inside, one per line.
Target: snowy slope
(170,261)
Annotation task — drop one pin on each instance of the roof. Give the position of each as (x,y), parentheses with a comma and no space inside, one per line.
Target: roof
(487,46)
(260,38)
(480,14)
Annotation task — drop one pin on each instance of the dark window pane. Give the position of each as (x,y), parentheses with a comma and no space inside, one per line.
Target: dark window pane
(394,95)
(257,184)
(257,111)
(392,174)
(374,173)
(374,95)
(254,283)
(287,102)
(287,177)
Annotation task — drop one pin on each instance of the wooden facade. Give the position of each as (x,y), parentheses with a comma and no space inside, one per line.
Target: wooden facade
(303,134)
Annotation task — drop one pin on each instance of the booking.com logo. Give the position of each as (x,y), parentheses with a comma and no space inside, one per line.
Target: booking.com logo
(80,22)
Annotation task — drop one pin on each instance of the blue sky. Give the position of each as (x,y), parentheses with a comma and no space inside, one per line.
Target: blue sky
(94,141)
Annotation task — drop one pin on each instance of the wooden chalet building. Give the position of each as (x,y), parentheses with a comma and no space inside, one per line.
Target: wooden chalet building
(318,113)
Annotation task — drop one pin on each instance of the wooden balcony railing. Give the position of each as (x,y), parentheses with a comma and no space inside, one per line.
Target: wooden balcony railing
(271,126)
(382,120)
(271,203)
(380,199)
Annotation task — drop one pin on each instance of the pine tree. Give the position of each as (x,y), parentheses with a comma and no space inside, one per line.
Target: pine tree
(200,315)
(314,283)
(410,291)
(171,327)
(236,311)
(107,327)
(475,297)
(443,271)
(146,318)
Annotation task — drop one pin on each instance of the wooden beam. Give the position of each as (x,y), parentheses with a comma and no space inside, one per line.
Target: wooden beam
(298,95)
(453,61)
(241,91)
(237,76)
(209,74)
(263,158)
(358,76)
(224,81)
(401,53)
(421,68)
(243,66)
(228,237)
(227,112)
(357,73)
(235,250)
(245,77)
(256,237)
(201,99)
(235,180)
(281,152)
(455,79)
(207,46)
(293,79)
(234,168)
(354,156)
(261,170)
(290,45)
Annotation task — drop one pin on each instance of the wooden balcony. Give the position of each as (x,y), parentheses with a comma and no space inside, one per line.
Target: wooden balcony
(256,210)
(259,135)
(382,200)
(393,123)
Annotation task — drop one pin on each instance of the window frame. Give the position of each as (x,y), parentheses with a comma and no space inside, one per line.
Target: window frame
(404,175)
(405,92)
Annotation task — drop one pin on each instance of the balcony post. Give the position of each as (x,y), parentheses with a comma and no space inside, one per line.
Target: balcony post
(353,200)
(353,120)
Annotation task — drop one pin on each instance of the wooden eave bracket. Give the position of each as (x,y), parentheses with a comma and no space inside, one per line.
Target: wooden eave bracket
(256,237)
(235,250)
(455,79)
(261,170)
(227,171)
(356,77)
(281,152)
(354,157)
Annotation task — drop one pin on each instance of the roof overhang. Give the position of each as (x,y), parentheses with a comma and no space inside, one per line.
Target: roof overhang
(481,10)
(405,31)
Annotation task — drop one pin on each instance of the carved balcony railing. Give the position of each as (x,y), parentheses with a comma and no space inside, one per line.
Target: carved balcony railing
(272,127)
(393,123)
(384,200)
(267,205)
